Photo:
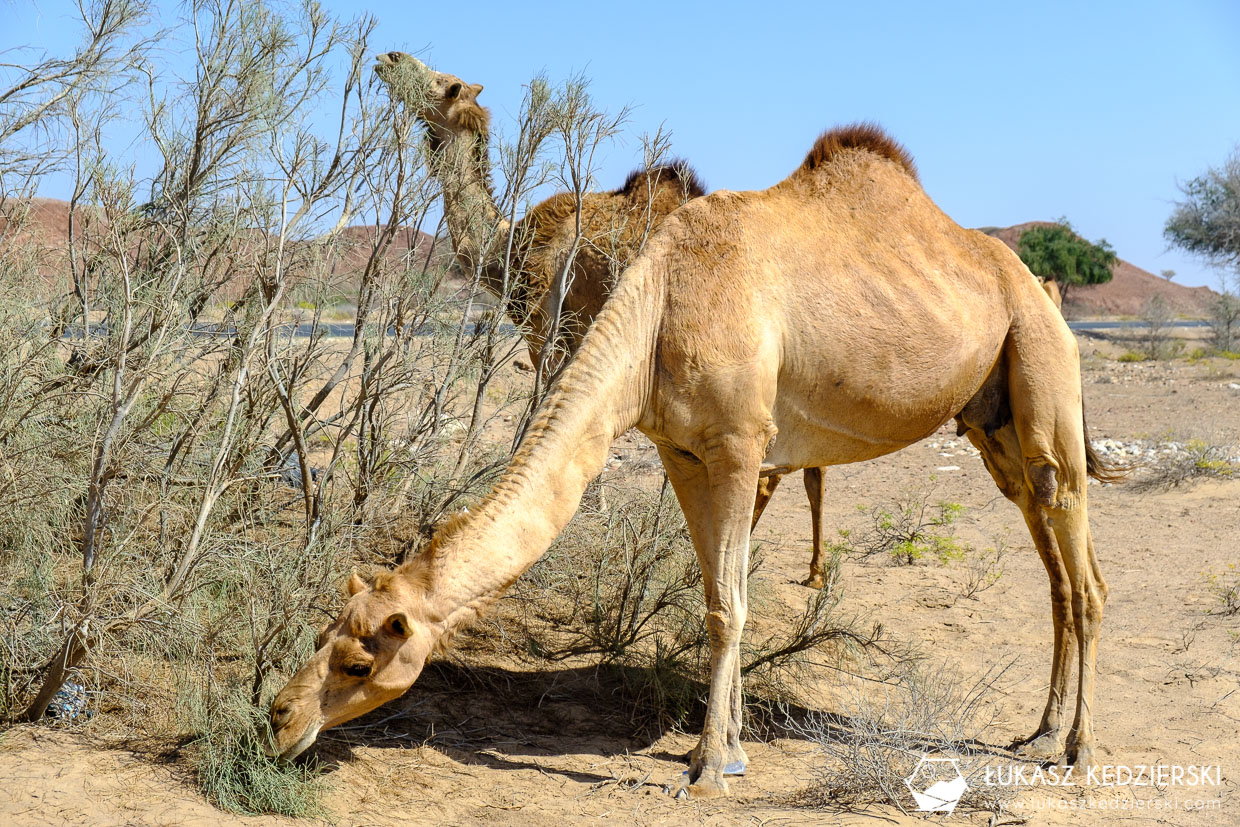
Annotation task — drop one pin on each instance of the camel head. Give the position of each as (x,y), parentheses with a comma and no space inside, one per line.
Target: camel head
(445,103)
(370,654)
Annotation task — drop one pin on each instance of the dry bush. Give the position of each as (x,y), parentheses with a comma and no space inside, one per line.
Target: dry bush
(1199,460)
(1155,341)
(186,477)
(884,728)
(984,568)
(621,587)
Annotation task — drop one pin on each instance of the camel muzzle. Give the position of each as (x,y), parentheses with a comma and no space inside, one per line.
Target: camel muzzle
(287,753)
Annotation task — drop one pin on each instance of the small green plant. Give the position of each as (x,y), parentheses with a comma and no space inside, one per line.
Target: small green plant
(1132,356)
(910,529)
(1225,587)
(237,776)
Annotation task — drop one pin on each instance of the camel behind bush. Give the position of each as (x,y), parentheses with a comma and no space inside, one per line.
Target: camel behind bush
(555,243)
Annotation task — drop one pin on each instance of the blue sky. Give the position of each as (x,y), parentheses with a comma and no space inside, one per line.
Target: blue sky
(1014,112)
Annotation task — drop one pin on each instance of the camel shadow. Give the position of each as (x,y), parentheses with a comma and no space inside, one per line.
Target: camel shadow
(508,719)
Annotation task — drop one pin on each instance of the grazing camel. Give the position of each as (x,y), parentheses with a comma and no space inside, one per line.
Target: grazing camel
(614,227)
(835,317)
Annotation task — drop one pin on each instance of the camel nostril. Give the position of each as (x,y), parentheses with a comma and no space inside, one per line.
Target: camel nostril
(358,670)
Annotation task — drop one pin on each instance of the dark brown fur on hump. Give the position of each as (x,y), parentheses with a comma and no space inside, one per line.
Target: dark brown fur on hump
(864,136)
(676,171)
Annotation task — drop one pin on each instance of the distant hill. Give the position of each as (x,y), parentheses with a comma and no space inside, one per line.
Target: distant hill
(48,225)
(1124,295)
(1129,288)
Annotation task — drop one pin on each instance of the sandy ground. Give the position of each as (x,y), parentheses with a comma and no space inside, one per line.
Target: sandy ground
(519,748)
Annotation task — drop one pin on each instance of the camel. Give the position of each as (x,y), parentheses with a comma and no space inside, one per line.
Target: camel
(835,317)
(614,227)
(1052,290)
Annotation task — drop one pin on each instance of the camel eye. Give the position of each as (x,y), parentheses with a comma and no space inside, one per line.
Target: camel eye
(357,670)
(394,56)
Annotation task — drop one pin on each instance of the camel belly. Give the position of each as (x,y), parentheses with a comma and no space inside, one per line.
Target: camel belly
(865,396)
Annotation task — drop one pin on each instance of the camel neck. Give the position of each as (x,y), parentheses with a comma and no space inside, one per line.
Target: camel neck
(602,392)
(460,162)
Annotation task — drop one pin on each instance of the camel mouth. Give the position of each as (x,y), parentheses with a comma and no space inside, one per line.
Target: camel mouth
(290,753)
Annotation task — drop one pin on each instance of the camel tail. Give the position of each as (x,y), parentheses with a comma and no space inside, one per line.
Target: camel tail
(1103,470)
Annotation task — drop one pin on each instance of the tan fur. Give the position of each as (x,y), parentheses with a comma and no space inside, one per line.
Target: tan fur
(1052,290)
(613,227)
(830,319)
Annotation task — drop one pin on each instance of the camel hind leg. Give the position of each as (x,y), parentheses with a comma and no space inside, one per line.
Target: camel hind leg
(1001,453)
(1044,393)
(814,491)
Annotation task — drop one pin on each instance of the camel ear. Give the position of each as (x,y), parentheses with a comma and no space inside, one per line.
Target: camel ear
(454,91)
(476,88)
(398,625)
(354,585)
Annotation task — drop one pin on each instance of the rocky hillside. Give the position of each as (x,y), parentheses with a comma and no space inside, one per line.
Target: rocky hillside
(47,223)
(1126,292)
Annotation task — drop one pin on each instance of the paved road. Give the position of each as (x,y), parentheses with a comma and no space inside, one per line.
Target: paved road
(1109,325)
(346,329)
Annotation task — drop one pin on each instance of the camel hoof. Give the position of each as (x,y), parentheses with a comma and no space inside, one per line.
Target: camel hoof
(708,789)
(704,787)
(1080,757)
(814,581)
(686,786)
(738,767)
(1044,747)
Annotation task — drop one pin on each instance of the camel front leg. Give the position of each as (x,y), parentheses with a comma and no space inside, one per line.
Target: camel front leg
(716,497)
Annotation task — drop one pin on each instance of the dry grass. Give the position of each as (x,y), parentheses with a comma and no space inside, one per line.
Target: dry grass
(1199,460)
(884,729)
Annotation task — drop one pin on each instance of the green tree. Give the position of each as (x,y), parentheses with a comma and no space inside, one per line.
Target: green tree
(1057,252)
(1207,222)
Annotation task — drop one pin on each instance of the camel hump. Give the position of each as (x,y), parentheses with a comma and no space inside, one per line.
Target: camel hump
(867,136)
(676,172)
